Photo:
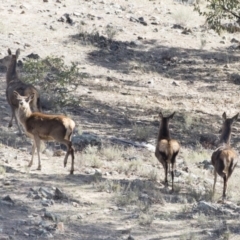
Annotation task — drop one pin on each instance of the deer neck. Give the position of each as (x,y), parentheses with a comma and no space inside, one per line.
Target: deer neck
(164,132)
(225,136)
(12,72)
(23,115)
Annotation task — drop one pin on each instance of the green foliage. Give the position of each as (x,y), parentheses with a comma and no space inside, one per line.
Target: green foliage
(53,77)
(219,10)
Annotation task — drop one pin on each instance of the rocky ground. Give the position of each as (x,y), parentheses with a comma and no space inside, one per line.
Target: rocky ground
(138,57)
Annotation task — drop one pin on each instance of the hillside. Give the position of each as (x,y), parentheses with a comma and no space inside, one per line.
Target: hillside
(135,59)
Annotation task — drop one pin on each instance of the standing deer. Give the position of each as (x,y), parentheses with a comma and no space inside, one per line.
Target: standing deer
(167,149)
(15,84)
(224,158)
(40,126)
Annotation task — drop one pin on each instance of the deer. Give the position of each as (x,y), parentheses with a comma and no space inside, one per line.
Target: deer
(14,83)
(224,159)
(45,127)
(167,149)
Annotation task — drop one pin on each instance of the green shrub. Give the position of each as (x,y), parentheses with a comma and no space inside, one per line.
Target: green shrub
(57,80)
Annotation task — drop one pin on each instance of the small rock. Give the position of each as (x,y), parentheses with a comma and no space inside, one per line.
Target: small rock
(59,153)
(46,203)
(68,19)
(6,183)
(177,26)
(46,193)
(141,20)
(51,216)
(130,238)
(33,56)
(77,14)
(8,199)
(187,31)
(114,173)
(234,40)
(75,204)
(132,19)
(59,194)
(126,231)
(60,226)
(175,83)
(45,0)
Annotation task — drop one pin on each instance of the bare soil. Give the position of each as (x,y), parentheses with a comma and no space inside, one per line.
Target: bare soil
(167,61)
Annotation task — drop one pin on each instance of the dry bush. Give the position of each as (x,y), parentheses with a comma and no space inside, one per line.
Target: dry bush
(90,157)
(108,186)
(112,152)
(146,219)
(141,133)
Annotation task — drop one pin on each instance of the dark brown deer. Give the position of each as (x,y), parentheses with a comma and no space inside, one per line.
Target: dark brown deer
(39,126)
(224,158)
(15,84)
(167,149)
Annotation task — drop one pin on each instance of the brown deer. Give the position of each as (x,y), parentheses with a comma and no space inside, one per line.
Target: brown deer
(224,158)
(40,126)
(15,84)
(167,149)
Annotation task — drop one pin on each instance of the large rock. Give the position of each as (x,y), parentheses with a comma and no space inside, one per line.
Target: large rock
(214,208)
(82,141)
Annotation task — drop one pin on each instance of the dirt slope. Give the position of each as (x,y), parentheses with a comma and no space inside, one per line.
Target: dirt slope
(139,57)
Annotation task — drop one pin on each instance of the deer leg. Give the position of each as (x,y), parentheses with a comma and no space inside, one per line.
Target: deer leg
(33,151)
(172,173)
(17,121)
(70,150)
(72,166)
(215,179)
(38,145)
(13,115)
(231,168)
(166,173)
(34,105)
(173,162)
(225,179)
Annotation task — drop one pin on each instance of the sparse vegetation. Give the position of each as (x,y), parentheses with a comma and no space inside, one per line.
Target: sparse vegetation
(111,32)
(146,219)
(203,42)
(137,58)
(2,170)
(112,153)
(56,80)
(218,12)
(141,133)
(126,198)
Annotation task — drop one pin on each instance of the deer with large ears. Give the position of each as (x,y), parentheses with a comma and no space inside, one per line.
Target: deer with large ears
(40,126)
(166,149)
(224,158)
(15,84)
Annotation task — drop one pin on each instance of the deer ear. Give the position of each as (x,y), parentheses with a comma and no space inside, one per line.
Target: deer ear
(224,116)
(16,94)
(235,117)
(171,116)
(17,53)
(9,52)
(30,98)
